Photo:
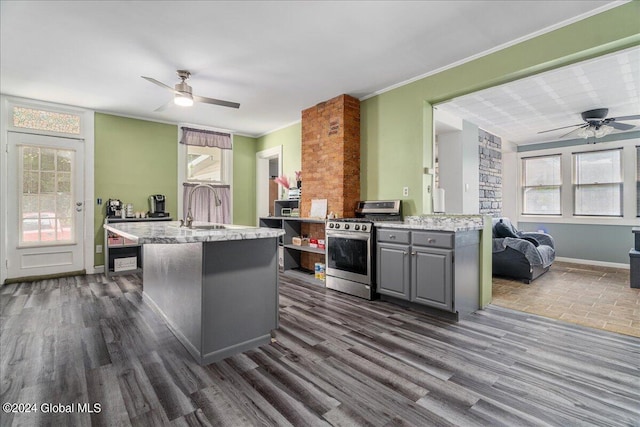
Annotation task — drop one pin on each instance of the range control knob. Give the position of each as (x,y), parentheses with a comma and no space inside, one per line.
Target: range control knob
(364,227)
(331,225)
(357,227)
(346,226)
(337,225)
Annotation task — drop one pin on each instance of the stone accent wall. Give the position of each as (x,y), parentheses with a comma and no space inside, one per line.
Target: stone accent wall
(331,155)
(490,150)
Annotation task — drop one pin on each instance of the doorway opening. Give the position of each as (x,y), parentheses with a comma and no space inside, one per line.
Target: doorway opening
(268,167)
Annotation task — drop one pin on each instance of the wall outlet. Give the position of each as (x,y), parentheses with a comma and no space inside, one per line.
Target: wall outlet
(405,191)
(98,249)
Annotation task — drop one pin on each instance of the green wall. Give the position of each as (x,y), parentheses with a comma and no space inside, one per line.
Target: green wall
(396,126)
(244,180)
(133,159)
(291,140)
(396,131)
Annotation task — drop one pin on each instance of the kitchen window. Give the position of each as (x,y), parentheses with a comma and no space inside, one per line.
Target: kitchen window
(541,187)
(597,183)
(205,164)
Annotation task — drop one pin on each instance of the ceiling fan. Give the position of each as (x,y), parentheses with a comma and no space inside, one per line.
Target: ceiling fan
(597,124)
(184,96)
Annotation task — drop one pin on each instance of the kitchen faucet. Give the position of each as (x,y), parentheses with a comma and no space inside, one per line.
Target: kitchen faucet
(188,221)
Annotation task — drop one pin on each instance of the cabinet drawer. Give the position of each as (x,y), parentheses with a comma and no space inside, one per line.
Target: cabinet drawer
(433,239)
(394,236)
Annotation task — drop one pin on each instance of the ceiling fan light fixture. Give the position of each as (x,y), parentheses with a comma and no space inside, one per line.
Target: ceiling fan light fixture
(183,100)
(595,131)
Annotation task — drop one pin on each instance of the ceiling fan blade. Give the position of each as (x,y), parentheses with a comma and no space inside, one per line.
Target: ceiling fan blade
(623,118)
(575,130)
(216,101)
(564,127)
(620,126)
(163,107)
(154,81)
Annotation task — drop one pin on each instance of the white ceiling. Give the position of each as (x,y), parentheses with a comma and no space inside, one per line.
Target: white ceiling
(275,58)
(517,111)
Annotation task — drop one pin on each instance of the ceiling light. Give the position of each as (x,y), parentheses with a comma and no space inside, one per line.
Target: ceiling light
(183,100)
(595,131)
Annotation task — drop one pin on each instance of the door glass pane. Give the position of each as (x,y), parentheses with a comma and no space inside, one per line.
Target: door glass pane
(46,196)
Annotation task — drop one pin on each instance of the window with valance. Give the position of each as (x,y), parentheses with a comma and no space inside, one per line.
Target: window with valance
(208,157)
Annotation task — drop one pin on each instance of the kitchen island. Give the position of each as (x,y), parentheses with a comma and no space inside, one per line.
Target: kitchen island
(216,285)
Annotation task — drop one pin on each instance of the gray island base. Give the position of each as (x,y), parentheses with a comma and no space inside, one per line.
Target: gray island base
(217,290)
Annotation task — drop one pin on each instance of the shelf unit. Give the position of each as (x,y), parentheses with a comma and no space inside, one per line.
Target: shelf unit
(290,256)
(123,250)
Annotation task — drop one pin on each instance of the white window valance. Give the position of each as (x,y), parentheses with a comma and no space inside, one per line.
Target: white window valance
(205,138)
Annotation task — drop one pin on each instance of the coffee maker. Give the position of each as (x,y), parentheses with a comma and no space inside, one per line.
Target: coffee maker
(157,206)
(114,208)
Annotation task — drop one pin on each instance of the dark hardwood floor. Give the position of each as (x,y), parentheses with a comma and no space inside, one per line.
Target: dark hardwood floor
(335,360)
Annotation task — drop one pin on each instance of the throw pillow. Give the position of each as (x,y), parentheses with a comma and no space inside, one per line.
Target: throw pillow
(503,230)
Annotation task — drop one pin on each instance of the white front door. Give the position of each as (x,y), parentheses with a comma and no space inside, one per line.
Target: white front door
(45,212)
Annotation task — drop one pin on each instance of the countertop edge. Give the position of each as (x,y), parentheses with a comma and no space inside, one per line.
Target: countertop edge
(237,233)
(451,229)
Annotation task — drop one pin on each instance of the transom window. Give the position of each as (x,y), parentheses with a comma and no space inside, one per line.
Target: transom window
(542,184)
(43,120)
(597,183)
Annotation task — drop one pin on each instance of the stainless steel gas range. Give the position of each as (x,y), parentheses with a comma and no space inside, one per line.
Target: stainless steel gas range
(351,251)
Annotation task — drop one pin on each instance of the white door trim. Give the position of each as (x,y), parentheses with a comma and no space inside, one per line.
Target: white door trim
(89,149)
(262,184)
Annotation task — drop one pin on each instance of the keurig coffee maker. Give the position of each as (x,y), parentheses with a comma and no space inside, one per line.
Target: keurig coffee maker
(157,206)
(114,208)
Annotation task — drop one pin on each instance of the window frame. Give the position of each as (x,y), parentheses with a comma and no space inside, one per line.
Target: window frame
(183,161)
(574,185)
(513,178)
(524,187)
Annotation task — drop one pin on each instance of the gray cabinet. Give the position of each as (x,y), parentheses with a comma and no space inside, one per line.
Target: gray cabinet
(431,277)
(436,269)
(393,279)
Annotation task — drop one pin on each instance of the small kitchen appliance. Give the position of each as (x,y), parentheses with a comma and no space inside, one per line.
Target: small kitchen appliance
(114,208)
(351,249)
(157,206)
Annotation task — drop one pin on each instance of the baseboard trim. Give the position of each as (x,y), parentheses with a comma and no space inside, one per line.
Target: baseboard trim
(592,262)
(44,277)
(97,269)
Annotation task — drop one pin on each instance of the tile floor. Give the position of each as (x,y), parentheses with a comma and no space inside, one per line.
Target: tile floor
(598,297)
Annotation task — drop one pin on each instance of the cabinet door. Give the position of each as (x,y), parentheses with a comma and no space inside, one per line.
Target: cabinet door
(431,279)
(393,270)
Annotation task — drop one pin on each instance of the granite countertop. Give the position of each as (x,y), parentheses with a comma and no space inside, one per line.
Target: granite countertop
(455,223)
(171,232)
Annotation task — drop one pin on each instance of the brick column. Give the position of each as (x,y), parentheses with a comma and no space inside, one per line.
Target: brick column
(331,155)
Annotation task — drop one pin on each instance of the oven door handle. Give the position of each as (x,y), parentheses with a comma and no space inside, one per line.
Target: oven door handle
(353,236)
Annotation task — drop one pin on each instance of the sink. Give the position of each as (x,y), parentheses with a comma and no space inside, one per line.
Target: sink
(204,227)
(208,227)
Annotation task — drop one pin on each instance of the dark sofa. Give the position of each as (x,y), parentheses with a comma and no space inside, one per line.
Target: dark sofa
(520,255)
